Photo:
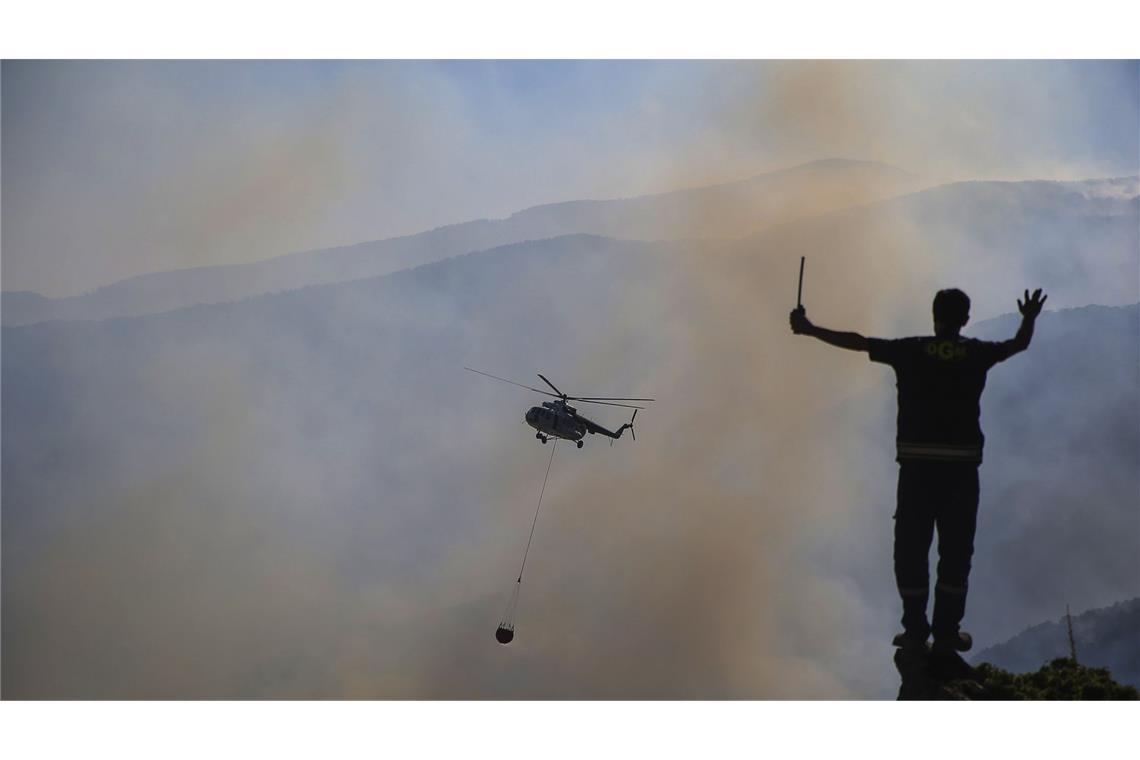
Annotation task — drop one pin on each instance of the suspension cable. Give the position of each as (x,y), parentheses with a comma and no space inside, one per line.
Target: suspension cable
(536,509)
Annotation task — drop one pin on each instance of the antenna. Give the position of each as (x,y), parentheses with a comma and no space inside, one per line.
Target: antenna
(1072,642)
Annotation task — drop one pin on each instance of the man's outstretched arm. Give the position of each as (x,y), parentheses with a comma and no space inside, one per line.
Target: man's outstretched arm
(849,340)
(1029,311)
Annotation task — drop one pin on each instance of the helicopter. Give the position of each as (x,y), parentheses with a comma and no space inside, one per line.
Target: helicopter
(557,419)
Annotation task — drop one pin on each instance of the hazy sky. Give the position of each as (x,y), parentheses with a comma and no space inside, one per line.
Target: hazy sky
(306,495)
(113,169)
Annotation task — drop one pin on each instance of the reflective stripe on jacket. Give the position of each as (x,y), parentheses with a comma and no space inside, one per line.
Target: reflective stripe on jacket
(940,452)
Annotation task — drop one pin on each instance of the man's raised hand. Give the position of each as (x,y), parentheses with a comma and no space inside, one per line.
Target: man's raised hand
(1032,306)
(799,321)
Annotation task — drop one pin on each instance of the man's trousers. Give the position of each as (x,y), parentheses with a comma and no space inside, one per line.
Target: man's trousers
(942,495)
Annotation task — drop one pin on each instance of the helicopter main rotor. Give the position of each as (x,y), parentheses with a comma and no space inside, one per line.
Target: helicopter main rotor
(600,400)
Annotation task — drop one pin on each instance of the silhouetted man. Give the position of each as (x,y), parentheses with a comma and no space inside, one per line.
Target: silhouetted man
(939,447)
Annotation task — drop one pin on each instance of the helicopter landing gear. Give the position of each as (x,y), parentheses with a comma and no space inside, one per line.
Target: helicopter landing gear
(541,437)
(579,443)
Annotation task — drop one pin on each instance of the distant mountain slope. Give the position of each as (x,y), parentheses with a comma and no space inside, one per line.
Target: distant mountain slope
(302,494)
(728,210)
(216,468)
(1108,637)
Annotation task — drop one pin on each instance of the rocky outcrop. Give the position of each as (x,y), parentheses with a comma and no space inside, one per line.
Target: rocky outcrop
(1061,679)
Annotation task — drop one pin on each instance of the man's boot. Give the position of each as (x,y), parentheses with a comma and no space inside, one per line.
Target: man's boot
(959,642)
(910,640)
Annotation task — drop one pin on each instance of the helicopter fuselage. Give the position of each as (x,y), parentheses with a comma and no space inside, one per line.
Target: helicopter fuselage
(556,420)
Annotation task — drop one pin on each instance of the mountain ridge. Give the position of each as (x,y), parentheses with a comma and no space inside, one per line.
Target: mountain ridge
(623,218)
(972,200)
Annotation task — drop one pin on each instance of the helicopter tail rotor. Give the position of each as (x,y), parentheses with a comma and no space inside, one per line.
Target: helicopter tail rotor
(628,425)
